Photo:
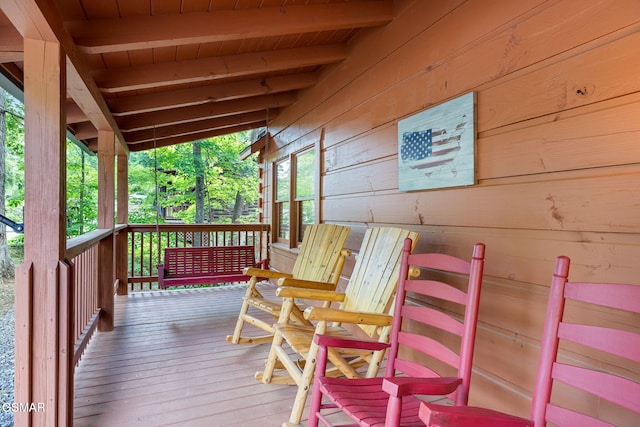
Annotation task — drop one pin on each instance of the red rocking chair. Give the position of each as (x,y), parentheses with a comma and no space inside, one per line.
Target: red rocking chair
(390,401)
(599,387)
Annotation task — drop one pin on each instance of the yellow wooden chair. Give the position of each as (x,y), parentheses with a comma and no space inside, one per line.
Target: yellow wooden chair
(319,264)
(367,297)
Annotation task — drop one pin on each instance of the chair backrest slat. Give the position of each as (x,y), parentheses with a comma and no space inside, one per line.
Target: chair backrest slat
(413,369)
(320,256)
(564,417)
(614,295)
(430,346)
(435,289)
(434,318)
(614,341)
(610,387)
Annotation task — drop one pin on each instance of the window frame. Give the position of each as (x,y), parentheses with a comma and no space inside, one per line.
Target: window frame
(295,202)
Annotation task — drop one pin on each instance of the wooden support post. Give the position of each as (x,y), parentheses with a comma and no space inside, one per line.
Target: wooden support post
(122,218)
(106,212)
(45,240)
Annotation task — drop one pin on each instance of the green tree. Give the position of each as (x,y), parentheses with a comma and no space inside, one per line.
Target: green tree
(7,266)
(14,159)
(232,182)
(200,180)
(143,204)
(228,181)
(82,191)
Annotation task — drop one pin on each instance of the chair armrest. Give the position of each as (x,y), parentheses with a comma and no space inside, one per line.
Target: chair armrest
(309,284)
(269,274)
(305,293)
(405,386)
(341,342)
(468,416)
(343,316)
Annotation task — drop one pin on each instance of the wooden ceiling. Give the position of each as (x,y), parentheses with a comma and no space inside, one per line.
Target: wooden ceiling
(163,72)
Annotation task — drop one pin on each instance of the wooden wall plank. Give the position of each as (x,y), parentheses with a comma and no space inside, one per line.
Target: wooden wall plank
(576,139)
(598,74)
(586,203)
(350,84)
(459,64)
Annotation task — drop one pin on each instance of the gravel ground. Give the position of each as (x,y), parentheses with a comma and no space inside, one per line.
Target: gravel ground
(6,367)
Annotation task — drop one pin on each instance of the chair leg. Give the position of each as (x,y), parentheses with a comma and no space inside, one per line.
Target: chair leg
(304,385)
(251,292)
(270,365)
(394,410)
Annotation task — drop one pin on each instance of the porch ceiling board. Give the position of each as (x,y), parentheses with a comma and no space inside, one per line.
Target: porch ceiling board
(143,32)
(205,111)
(143,103)
(179,66)
(145,135)
(164,74)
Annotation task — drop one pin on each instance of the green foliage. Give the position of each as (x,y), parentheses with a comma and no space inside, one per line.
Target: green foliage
(82,191)
(142,185)
(226,176)
(16,248)
(14,163)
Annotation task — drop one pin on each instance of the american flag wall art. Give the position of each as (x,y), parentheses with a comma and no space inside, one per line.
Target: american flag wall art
(437,146)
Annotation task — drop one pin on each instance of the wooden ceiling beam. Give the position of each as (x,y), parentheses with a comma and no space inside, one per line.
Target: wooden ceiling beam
(206,69)
(155,101)
(14,74)
(205,111)
(84,130)
(11,45)
(74,113)
(193,137)
(198,126)
(143,32)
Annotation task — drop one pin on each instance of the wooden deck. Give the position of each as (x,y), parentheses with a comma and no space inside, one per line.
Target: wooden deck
(167,363)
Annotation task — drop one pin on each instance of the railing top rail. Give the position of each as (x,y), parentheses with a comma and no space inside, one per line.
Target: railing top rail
(78,245)
(198,227)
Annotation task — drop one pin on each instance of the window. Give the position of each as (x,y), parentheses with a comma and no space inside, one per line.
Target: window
(283,193)
(305,191)
(295,196)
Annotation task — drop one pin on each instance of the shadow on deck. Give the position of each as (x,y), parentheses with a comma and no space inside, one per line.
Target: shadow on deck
(167,363)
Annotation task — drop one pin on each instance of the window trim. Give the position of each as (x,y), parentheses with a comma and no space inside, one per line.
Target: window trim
(294,202)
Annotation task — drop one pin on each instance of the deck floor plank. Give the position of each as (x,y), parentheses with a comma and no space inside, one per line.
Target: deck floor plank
(167,363)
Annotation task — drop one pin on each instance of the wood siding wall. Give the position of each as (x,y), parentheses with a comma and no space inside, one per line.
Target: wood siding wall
(558,154)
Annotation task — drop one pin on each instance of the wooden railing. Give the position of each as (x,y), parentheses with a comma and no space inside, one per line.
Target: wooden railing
(146,244)
(82,255)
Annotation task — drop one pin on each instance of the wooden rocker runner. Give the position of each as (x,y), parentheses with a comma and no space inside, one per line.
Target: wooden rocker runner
(319,264)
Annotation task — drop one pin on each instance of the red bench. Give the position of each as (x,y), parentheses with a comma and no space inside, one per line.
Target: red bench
(206,265)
